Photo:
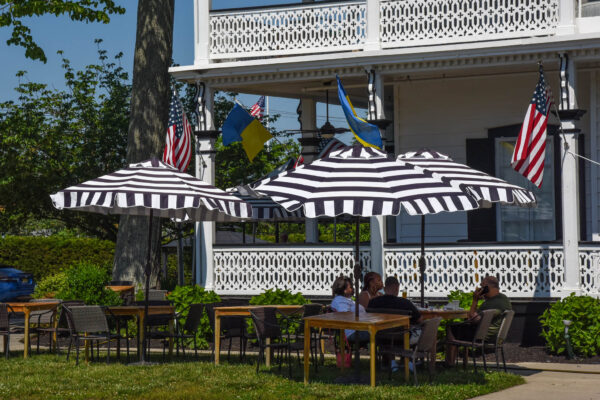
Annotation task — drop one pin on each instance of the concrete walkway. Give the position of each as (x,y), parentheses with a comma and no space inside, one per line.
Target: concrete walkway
(552,381)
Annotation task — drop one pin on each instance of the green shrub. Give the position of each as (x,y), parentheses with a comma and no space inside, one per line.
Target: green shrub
(182,297)
(44,256)
(50,285)
(86,281)
(278,296)
(584,312)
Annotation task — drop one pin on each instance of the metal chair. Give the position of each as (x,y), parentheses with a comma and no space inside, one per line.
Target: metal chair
(89,324)
(425,347)
(189,329)
(157,295)
(507,318)
(5,312)
(156,324)
(478,338)
(387,336)
(231,327)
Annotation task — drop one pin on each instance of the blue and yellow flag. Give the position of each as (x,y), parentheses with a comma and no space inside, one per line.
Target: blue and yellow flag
(367,134)
(240,126)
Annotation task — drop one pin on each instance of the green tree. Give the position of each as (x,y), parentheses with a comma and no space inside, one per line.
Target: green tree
(14,12)
(52,139)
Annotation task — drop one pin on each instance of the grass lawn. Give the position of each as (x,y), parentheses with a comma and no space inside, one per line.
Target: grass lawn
(52,377)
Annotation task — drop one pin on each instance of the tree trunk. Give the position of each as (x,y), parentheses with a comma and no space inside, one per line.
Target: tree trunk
(147,128)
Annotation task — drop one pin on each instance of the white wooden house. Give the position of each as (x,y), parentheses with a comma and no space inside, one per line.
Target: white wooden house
(453,75)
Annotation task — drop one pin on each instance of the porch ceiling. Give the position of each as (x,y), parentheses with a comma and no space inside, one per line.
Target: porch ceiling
(309,76)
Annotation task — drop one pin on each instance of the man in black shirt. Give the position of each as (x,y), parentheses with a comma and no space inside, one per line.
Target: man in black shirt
(391,300)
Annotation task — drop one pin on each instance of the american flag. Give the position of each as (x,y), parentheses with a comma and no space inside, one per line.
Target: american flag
(178,149)
(258,109)
(326,146)
(530,150)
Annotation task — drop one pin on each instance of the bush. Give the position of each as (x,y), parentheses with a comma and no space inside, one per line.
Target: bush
(50,285)
(182,297)
(44,256)
(584,312)
(278,296)
(86,281)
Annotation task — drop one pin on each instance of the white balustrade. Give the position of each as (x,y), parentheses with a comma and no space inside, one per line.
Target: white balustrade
(310,270)
(425,22)
(288,30)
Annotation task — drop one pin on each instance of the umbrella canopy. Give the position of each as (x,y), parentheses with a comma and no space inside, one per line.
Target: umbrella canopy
(484,188)
(263,207)
(153,187)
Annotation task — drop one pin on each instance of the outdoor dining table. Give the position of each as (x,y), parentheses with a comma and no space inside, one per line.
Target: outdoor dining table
(138,312)
(444,314)
(26,308)
(370,322)
(244,311)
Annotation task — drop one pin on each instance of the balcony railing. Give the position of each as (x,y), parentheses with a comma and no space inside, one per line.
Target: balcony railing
(369,25)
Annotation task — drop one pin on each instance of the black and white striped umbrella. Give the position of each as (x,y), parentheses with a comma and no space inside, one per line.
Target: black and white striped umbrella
(153,187)
(484,188)
(363,181)
(263,207)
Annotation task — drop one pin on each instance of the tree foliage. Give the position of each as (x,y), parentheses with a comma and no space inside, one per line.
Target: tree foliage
(52,139)
(14,12)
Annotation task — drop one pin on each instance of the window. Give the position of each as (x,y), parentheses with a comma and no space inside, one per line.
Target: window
(526,224)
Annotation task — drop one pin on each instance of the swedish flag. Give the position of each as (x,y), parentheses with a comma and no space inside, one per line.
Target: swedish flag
(240,126)
(367,134)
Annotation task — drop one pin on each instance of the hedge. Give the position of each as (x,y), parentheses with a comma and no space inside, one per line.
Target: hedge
(43,256)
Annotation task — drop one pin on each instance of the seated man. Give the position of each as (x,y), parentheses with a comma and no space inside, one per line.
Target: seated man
(391,300)
(494,300)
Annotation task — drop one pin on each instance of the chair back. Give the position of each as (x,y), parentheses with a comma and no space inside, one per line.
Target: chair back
(507,318)
(193,318)
(154,295)
(4,317)
(65,320)
(428,338)
(44,316)
(394,311)
(309,310)
(484,324)
(88,319)
(265,322)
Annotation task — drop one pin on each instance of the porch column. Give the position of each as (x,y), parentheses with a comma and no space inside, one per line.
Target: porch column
(377,113)
(373,11)
(202,31)
(206,136)
(307,116)
(569,113)
(566,17)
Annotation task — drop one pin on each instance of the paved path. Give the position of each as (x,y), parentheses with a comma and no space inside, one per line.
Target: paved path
(547,381)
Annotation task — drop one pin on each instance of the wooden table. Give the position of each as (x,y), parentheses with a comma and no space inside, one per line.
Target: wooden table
(243,311)
(120,289)
(445,314)
(138,312)
(26,308)
(370,322)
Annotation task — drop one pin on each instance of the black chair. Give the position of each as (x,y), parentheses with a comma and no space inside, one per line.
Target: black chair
(157,326)
(316,334)
(231,327)
(478,341)
(271,324)
(5,312)
(424,348)
(116,324)
(189,329)
(59,328)
(88,324)
(507,318)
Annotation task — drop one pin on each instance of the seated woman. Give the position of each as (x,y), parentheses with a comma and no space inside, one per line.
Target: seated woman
(342,302)
(372,284)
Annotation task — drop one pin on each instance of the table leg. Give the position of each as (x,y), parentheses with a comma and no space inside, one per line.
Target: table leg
(269,353)
(217,336)
(343,348)
(26,338)
(406,347)
(372,349)
(171,331)
(141,333)
(307,351)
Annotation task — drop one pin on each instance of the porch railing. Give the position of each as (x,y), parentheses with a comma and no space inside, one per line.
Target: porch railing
(370,25)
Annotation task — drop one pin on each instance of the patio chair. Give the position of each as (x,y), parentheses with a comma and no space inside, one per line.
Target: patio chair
(41,321)
(5,312)
(425,347)
(507,318)
(189,329)
(157,325)
(88,324)
(478,341)
(268,326)
(387,336)
(115,324)
(157,295)
(231,327)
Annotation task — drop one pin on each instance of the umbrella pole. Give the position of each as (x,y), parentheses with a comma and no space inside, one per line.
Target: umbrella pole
(422,261)
(357,274)
(147,271)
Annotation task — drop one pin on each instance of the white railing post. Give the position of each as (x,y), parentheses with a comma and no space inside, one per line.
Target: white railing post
(373,13)
(566,17)
(202,31)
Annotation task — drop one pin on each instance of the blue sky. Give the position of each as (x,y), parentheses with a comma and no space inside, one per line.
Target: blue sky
(77,41)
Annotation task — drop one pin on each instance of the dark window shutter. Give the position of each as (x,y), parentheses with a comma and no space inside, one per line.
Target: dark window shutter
(481,222)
